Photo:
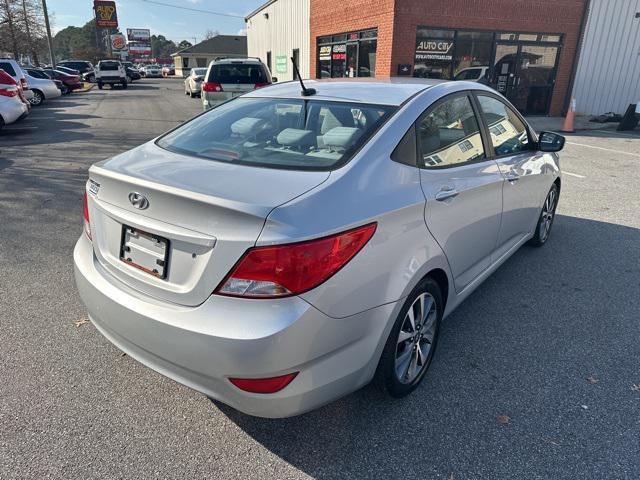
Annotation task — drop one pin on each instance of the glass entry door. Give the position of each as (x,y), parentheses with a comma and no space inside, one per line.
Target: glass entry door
(526,74)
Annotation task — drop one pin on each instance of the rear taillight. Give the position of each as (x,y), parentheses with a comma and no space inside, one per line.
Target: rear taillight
(85,216)
(211,87)
(263,385)
(260,85)
(292,269)
(9,92)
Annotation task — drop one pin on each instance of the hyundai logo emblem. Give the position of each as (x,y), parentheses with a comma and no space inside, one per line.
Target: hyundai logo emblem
(138,200)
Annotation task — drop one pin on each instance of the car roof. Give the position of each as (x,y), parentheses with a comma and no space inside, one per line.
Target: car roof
(378,90)
(227,60)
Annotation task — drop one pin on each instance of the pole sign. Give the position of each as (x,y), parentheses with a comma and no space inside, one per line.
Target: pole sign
(118,43)
(138,34)
(106,16)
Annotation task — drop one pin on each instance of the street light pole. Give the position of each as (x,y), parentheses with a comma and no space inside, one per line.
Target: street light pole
(49,41)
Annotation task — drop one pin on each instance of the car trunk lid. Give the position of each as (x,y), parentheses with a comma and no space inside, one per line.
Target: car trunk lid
(208,212)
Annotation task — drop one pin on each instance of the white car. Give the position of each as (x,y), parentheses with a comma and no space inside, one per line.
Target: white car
(12,108)
(43,89)
(193,83)
(15,70)
(472,74)
(153,71)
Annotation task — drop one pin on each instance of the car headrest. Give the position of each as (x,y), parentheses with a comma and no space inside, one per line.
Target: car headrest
(295,137)
(341,137)
(246,126)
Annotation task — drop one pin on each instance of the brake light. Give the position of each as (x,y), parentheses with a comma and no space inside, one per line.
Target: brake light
(263,385)
(292,269)
(9,92)
(211,87)
(260,85)
(85,216)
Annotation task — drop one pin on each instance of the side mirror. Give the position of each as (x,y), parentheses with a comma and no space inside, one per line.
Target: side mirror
(550,142)
(274,79)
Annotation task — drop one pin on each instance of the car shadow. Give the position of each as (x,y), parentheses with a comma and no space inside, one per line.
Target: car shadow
(520,347)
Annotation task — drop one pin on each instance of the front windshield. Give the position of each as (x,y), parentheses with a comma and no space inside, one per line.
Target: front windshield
(279,133)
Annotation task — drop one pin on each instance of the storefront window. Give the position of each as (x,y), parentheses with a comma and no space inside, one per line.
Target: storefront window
(367,58)
(350,54)
(434,53)
(472,55)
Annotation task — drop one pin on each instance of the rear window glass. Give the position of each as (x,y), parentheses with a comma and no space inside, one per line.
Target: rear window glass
(7,67)
(109,66)
(238,73)
(279,133)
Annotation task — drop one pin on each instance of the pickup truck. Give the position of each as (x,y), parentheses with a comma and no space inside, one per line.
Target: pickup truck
(110,72)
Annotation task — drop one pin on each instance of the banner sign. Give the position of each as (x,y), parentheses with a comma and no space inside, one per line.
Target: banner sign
(138,34)
(436,49)
(118,43)
(106,16)
(139,49)
(325,53)
(339,52)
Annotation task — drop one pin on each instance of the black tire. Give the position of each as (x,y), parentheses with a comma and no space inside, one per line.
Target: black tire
(65,90)
(124,85)
(543,228)
(192,95)
(386,376)
(1,122)
(100,85)
(38,98)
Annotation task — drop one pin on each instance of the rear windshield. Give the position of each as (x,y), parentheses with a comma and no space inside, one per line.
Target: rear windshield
(109,65)
(238,73)
(38,74)
(279,133)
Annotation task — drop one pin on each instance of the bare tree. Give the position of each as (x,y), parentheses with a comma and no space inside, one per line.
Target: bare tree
(28,20)
(8,20)
(210,34)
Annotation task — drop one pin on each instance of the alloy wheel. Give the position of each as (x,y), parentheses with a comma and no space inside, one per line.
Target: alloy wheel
(37,98)
(415,338)
(548,211)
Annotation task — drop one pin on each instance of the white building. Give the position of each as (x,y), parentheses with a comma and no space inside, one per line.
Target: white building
(277,31)
(608,74)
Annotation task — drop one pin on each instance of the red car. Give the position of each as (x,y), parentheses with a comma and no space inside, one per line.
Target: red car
(69,82)
(6,79)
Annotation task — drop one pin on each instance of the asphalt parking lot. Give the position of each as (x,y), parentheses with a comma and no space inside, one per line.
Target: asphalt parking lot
(537,374)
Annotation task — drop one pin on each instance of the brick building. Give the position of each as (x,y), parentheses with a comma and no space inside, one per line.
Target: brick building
(526,49)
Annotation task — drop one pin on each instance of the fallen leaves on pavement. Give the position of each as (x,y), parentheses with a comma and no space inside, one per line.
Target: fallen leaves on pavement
(504,419)
(592,380)
(82,321)
(635,388)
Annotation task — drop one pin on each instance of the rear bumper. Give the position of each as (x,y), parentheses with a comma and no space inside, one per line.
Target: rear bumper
(203,346)
(14,111)
(211,99)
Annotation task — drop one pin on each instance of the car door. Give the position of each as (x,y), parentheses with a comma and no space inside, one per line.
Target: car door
(463,187)
(523,167)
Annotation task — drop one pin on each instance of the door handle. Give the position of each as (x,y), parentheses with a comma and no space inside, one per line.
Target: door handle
(445,194)
(513,177)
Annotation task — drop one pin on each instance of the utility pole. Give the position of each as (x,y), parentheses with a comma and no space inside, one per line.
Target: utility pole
(49,41)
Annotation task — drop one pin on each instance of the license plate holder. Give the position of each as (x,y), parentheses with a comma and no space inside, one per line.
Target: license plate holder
(145,251)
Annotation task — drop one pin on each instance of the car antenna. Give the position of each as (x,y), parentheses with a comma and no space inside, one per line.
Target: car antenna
(306,92)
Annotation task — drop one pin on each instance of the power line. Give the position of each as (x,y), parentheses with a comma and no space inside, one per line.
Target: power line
(199,10)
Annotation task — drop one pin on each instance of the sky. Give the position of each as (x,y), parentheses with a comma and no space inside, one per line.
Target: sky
(175,24)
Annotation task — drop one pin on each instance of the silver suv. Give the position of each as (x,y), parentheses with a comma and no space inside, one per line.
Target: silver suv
(230,77)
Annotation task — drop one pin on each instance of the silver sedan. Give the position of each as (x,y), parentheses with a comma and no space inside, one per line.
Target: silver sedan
(287,248)
(193,82)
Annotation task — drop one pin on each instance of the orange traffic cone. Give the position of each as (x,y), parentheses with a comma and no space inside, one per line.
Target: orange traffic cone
(568,121)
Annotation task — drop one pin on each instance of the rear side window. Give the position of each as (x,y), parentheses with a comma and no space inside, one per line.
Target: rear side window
(109,66)
(509,134)
(448,135)
(238,73)
(279,133)
(471,74)
(7,67)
